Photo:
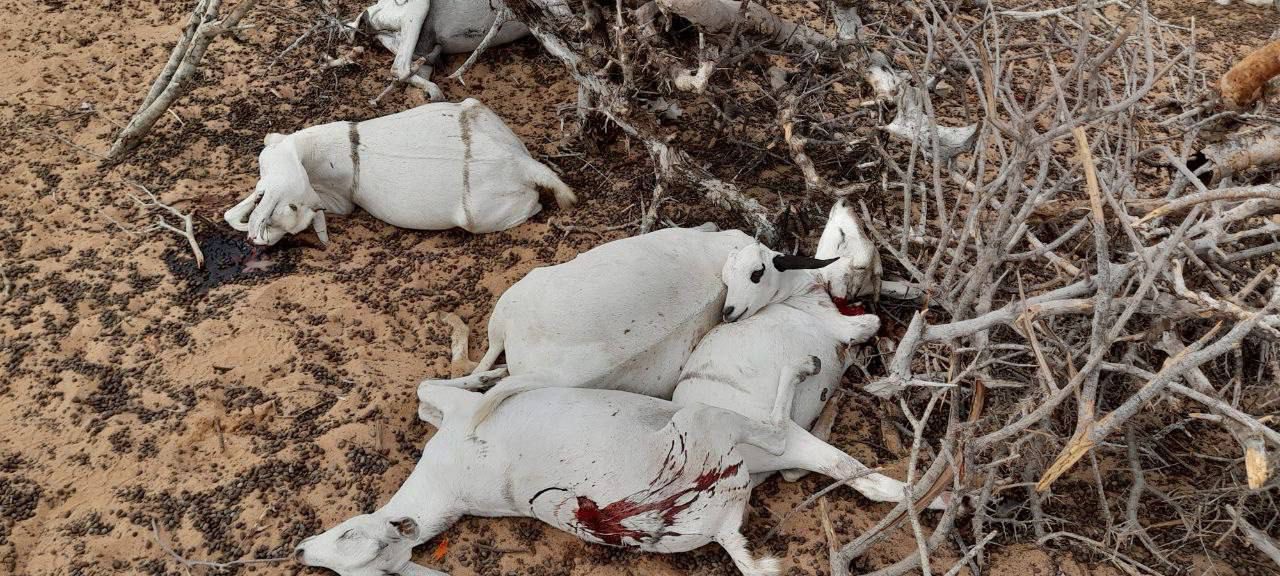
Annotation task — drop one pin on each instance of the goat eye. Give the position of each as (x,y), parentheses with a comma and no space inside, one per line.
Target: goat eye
(757,275)
(347,534)
(293,207)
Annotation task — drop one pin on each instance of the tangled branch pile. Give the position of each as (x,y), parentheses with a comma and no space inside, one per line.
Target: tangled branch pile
(1047,181)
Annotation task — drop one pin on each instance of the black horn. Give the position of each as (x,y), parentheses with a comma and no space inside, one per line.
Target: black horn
(784,262)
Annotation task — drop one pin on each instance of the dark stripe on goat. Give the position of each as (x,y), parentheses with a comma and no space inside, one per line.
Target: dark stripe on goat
(353,134)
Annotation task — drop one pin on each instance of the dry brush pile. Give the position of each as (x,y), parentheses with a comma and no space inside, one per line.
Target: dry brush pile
(1047,184)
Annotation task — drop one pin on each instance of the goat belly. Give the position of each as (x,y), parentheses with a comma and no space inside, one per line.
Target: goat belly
(416,186)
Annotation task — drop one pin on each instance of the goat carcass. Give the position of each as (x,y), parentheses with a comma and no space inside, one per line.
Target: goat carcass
(609,467)
(625,314)
(797,314)
(435,167)
(429,28)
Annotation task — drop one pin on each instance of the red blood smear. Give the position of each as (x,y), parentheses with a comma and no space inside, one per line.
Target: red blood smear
(847,308)
(606,523)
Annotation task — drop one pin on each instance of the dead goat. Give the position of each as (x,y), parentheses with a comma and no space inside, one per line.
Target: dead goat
(623,314)
(609,467)
(428,28)
(435,167)
(815,312)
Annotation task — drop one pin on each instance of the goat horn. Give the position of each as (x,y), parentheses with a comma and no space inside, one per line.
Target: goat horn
(322,230)
(784,262)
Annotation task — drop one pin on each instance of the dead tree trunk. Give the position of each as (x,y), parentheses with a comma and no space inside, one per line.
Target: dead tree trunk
(174,80)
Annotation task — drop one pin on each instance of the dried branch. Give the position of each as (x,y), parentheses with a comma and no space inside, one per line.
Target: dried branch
(673,164)
(971,554)
(188,564)
(1256,537)
(185,228)
(913,124)
(502,16)
(1262,191)
(1252,149)
(174,80)
(722,16)
(1193,356)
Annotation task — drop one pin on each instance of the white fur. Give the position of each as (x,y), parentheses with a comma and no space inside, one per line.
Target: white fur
(557,454)
(434,167)
(858,272)
(733,366)
(623,315)
(755,281)
(427,28)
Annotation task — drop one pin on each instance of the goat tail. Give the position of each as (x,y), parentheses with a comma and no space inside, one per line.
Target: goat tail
(459,342)
(495,397)
(544,177)
(768,566)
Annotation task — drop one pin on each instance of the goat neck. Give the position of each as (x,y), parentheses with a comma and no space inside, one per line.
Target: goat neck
(329,154)
(816,300)
(428,500)
(802,284)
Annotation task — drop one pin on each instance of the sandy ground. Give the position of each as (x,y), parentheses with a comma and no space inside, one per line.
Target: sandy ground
(231,414)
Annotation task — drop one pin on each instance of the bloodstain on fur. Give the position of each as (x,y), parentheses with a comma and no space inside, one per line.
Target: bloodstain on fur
(607,523)
(848,308)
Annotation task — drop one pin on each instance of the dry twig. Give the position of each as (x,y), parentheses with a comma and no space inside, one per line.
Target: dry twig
(185,228)
(1256,537)
(188,564)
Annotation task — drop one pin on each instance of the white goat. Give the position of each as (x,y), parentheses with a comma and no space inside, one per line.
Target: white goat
(434,167)
(626,314)
(735,365)
(428,28)
(606,466)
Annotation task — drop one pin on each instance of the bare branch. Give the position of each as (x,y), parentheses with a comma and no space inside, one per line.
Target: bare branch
(175,79)
(1256,537)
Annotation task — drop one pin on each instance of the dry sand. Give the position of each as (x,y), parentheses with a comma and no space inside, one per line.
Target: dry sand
(241,416)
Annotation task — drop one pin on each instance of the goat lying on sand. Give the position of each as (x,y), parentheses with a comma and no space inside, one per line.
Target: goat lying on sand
(624,314)
(609,467)
(429,28)
(563,324)
(434,167)
(734,365)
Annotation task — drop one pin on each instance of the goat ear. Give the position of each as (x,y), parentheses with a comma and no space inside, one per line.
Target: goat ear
(273,139)
(784,262)
(238,216)
(322,230)
(404,527)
